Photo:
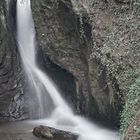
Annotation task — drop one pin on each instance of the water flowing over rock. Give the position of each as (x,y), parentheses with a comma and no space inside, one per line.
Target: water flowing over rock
(49,99)
(68,52)
(93,45)
(66,37)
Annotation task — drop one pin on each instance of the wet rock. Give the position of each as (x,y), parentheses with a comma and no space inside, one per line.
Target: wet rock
(53,134)
(66,38)
(11,74)
(62,44)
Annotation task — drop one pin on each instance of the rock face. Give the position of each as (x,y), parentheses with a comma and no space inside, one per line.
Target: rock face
(66,37)
(11,75)
(53,134)
(15,94)
(60,40)
(116,33)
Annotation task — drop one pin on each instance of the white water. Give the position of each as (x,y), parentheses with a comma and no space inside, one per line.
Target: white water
(61,116)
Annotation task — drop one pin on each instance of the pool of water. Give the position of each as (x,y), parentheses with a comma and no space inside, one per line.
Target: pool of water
(22,130)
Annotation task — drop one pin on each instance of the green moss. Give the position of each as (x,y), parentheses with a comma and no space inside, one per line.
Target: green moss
(137,7)
(137,131)
(130,108)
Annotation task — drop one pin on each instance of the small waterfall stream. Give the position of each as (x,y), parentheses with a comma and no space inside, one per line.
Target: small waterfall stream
(49,98)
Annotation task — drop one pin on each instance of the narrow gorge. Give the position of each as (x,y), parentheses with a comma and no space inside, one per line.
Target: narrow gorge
(69,70)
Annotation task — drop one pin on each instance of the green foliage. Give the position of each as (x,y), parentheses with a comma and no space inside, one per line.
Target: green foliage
(137,7)
(130,108)
(130,76)
(137,131)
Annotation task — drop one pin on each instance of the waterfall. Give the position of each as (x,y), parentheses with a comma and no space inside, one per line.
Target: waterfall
(38,80)
(49,98)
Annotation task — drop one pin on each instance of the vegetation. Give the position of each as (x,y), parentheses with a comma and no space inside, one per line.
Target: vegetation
(137,7)
(131,106)
(120,53)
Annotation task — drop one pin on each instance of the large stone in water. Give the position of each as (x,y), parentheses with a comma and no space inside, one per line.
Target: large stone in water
(53,134)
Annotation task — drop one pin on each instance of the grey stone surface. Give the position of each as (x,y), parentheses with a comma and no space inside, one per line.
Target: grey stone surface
(66,38)
(53,134)
(11,74)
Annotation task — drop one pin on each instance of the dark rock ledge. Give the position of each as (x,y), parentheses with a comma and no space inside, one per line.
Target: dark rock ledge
(50,133)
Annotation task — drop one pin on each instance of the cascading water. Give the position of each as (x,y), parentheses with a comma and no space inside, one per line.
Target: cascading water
(62,116)
(38,80)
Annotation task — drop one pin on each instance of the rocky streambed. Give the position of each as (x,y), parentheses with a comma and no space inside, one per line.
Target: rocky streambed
(18,136)
(27,130)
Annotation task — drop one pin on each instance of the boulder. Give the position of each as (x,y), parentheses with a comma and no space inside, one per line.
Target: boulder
(53,134)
